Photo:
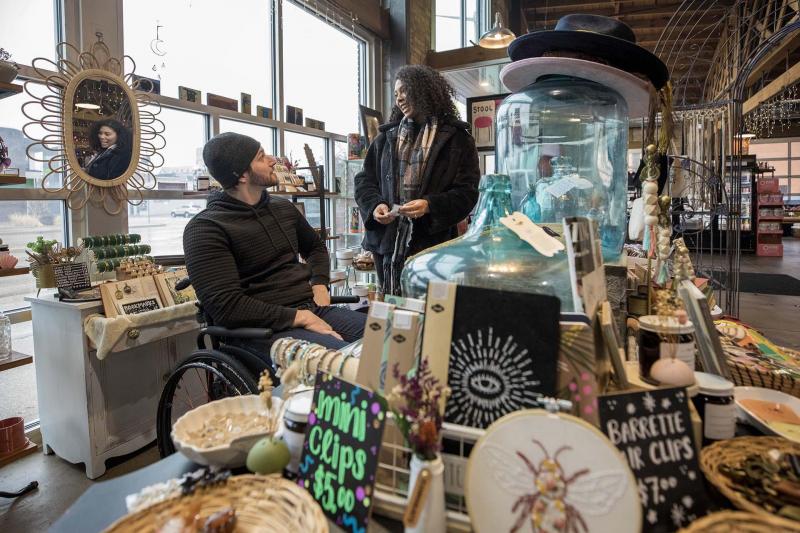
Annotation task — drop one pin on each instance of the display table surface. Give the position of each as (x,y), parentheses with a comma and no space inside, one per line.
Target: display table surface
(104,503)
(90,409)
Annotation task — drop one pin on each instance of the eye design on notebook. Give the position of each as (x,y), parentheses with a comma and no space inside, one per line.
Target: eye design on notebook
(399,338)
(438,308)
(374,326)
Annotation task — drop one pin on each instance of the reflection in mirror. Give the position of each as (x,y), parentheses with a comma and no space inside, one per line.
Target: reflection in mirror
(102,128)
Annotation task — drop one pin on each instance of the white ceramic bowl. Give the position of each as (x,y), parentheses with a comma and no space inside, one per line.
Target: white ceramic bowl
(344,254)
(232,454)
(767,395)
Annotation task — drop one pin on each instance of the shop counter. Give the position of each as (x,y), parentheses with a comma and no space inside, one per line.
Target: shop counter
(93,409)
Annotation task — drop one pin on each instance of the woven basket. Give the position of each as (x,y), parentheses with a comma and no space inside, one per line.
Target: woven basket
(733,452)
(262,503)
(740,522)
(748,376)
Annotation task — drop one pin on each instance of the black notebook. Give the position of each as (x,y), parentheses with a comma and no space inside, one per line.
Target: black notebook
(503,354)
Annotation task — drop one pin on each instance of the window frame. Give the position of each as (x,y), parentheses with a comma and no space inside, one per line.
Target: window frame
(483,21)
(792,163)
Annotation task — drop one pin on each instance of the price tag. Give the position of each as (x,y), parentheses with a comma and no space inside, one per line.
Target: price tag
(417,500)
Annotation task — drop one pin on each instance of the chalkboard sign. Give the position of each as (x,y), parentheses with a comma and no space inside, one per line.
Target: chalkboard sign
(340,453)
(503,354)
(142,306)
(654,432)
(72,276)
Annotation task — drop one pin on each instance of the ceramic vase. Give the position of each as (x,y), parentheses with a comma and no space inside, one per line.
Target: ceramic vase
(433,517)
(8,71)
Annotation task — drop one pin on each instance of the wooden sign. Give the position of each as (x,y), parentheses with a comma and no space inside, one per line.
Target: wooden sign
(340,453)
(503,353)
(654,432)
(72,276)
(223,102)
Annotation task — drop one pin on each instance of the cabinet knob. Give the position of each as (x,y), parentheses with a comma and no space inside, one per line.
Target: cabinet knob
(134,333)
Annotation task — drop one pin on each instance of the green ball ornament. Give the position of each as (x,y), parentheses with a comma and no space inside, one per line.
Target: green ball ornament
(268,456)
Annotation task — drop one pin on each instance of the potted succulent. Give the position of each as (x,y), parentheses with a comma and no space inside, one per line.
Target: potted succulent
(8,69)
(39,256)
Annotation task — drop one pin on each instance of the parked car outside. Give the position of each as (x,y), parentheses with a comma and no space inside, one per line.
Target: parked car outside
(186,211)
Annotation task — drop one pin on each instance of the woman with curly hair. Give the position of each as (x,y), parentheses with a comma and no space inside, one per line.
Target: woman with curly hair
(420,176)
(112,146)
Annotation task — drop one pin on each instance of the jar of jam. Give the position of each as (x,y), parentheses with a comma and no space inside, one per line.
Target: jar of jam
(716,407)
(661,337)
(295,421)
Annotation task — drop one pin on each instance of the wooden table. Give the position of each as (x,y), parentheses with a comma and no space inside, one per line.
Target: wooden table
(90,409)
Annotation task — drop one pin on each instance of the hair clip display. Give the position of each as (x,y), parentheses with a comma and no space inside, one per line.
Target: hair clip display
(309,358)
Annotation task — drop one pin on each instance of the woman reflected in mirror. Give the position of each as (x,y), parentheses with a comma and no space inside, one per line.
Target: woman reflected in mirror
(111,144)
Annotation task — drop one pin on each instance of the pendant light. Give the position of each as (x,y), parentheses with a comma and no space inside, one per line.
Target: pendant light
(498,36)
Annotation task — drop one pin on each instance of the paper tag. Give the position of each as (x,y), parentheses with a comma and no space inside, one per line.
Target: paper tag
(402,319)
(566,184)
(380,310)
(534,235)
(416,503)
(438,289)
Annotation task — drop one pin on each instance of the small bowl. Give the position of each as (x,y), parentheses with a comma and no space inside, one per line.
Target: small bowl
(345,254)
(232,454)
(12,435)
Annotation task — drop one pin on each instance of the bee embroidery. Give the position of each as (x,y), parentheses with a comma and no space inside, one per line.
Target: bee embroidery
(548,498)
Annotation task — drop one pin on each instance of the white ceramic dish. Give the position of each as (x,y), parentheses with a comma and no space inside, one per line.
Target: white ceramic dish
(767,395)
(345,254)
(233,454)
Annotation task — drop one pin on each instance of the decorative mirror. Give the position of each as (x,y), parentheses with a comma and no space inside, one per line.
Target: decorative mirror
(100,128)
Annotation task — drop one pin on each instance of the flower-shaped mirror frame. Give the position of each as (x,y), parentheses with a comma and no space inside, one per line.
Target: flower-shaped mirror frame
(51,127)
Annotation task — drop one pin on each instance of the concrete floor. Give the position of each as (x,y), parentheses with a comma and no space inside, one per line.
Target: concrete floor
(61,483)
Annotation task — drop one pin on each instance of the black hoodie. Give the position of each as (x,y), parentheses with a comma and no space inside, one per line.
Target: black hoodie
(243,261)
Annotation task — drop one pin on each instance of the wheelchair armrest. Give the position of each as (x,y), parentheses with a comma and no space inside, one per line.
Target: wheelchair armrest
(237,333)
(344,300)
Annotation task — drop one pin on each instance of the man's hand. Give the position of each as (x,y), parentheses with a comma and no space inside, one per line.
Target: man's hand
(321,295)
(308,320)
(383,214)
(415,208)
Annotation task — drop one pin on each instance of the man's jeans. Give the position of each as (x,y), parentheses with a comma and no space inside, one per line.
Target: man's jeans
(349,324)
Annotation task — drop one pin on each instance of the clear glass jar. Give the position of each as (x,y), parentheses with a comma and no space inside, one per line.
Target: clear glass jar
(491,256)
(5,336)
(563,141)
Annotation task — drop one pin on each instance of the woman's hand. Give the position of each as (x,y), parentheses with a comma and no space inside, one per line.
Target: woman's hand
(415,208)
(383,214)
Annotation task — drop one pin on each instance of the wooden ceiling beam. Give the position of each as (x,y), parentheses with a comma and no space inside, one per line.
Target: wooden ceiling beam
(774,58)
(786,79)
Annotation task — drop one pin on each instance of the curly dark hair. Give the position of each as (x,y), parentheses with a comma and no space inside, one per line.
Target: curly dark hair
(124,141)
(428,92)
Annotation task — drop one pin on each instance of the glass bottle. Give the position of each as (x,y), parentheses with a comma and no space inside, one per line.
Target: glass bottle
(490,255)
(563,141)
(5,336)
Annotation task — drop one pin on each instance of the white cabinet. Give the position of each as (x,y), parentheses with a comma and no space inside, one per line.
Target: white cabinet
(90,409)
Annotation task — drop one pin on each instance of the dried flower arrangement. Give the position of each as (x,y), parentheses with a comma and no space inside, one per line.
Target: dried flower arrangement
(416,403)
(45,252)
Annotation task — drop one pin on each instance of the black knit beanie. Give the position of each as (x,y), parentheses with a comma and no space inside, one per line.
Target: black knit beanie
(228,155)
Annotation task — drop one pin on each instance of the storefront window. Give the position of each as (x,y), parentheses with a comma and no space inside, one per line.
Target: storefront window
(326,86)
(784,156)
(21,21)
(202,46)
(263,134)
(185,134)
(21,221)
(161,222)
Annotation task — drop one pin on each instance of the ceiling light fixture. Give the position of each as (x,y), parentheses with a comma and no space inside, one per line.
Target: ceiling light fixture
(498,36)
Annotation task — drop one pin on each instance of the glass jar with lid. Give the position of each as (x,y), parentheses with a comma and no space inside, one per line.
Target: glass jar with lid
(563,141)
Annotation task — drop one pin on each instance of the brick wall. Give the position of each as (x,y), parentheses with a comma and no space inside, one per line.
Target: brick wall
(420,22)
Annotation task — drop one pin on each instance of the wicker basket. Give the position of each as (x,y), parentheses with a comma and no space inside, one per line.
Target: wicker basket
(740,522)
(732,453)
(745,375)
(262,503)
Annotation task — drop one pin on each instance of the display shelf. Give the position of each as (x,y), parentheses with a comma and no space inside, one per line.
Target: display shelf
(770,233)
(303,194)
(9,89)
(770,204)
(769,238)
(13,271)
(17,359)
(12,179)
(771,219)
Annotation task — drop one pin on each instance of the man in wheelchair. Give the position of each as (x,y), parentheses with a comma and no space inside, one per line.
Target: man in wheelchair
(243,255)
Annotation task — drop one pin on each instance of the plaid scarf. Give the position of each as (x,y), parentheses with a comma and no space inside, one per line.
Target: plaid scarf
(413,148)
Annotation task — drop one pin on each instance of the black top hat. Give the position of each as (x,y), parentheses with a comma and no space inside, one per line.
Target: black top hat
(594,35)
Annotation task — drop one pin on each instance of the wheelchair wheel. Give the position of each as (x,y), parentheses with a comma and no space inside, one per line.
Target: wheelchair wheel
(205,376)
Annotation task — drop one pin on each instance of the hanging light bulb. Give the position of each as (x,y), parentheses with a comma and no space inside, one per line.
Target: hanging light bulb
(498,36)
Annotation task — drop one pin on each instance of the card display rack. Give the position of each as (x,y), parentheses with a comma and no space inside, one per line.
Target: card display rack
(769,232)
